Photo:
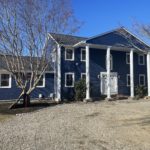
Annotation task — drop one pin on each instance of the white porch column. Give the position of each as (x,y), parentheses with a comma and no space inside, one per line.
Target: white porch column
(87,73)
(108,72)
(131,74)
(58,76)
(148,73)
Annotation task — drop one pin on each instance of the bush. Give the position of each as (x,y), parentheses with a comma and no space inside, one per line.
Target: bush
(140,91)
(80,90)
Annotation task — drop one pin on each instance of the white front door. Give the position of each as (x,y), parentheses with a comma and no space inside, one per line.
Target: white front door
(113,83)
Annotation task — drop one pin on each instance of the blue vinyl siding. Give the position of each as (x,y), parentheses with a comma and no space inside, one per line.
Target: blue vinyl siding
(14,91)
(97,65)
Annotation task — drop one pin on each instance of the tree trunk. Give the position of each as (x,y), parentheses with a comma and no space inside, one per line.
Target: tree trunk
(26,100)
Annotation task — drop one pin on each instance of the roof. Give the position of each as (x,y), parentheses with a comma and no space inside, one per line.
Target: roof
(25,60)
(67,39)
(119,37)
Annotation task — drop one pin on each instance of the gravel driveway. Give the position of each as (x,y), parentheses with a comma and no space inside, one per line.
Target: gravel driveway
(79,126)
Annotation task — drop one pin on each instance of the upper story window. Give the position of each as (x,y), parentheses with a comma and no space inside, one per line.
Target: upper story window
(127,58)
(41,82)
(142,79)
(5,81)
(69,54)
(141,59)
(69,79)
(83,54)
(111,62)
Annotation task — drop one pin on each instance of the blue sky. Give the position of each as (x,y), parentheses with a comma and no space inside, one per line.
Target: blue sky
(104,15)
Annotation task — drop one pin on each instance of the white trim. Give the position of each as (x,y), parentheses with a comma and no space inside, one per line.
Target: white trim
(42,86)
(58,76)
(143,57)
(82,75)
(83,49)
(53,38)
(141,75)
(73,77)
(127,56)
(10,81)
(111,62)
(127,80)
(108,73)
(87,66)
(148,73)
(131,73)
(72,59)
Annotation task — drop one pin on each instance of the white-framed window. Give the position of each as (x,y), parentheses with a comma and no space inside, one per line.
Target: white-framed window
(69,79)
(83,54)
(141,59)
(127,58)
(69,54)
(142,79)
(41,82)
(111,62)
(5,80)
(128,79)
(83,76)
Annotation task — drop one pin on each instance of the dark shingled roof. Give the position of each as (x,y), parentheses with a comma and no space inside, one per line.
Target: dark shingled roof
(67,39)
(25,59)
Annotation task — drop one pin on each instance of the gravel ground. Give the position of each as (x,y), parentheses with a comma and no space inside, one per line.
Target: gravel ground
(116,125)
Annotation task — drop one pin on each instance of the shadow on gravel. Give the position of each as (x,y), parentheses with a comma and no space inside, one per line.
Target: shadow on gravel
(4,107)
(143,121)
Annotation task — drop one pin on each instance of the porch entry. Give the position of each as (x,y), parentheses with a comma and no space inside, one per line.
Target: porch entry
(113,83)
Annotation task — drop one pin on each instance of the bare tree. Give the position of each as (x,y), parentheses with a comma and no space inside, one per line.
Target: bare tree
(24,41)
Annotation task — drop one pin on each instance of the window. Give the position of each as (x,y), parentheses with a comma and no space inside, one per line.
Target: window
(69,54)
(69,79)
(83,55)
(141,60)
(127,58)
(111,62)
(5,81)
(128,80)
(83,76)
(142,79)
(41,82)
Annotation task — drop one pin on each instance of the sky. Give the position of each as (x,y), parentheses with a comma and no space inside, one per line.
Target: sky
(100,16)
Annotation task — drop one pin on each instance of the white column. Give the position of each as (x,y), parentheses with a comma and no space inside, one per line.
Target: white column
(58,76)
(131,74)
(148,73)
(87,73)
(108,72)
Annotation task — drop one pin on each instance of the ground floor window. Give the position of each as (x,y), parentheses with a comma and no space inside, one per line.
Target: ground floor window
(142,79)
(5,80)
(41,82)
(69,79)
(128,80)
(83,76)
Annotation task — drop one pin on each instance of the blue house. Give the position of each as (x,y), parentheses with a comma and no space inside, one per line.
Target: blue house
(113,63)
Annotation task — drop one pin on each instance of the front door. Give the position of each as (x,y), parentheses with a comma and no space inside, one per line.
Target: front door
(113,83)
